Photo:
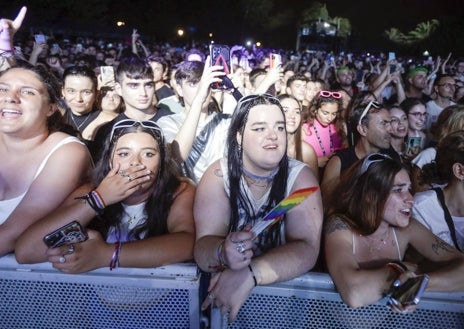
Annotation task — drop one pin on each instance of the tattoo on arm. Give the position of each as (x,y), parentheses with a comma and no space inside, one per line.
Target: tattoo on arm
(441,245)
(333,224)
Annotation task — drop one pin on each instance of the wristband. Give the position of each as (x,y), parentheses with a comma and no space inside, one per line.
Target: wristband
(220,256)
(114,262)
(253,274)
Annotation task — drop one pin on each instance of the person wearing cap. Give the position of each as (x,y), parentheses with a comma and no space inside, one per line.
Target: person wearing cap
(416,83)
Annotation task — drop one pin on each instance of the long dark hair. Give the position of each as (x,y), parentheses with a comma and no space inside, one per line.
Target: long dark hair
(298,151)
(363,191)
(164,191)
(237,198)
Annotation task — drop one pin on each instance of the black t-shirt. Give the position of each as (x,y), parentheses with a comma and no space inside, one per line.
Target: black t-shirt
(163,92)
(348,156)
(97,145)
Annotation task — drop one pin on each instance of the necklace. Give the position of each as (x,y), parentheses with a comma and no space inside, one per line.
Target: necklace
(255,179)
(134,218)
(78,126)
(380,242)
(324,153)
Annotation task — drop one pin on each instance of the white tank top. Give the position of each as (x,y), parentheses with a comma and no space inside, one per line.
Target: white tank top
(8,206)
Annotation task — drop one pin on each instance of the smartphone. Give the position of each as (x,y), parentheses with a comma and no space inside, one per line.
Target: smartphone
(391,56)
(40,38)
(68,234)
(220,55)
(275,60)
(413,145)
(79,47)
(410,292)
(107,75)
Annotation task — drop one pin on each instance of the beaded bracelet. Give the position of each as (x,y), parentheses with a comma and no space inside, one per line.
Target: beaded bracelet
(114,262)
(253,274)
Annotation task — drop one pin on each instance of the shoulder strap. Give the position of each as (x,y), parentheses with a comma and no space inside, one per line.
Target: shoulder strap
(199,144)
(448,218)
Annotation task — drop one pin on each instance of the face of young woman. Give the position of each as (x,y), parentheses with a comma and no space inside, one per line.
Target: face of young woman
(79,94)
(327,113)
(264,139)
(399,123)
(24,102)
(292,114)
(417,117)
(399,203)
(111,101)
(138,148)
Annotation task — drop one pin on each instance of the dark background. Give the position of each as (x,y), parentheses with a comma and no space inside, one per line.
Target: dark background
(232,21)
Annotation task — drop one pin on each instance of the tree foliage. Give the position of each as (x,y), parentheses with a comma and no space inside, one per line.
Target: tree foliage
(422,31)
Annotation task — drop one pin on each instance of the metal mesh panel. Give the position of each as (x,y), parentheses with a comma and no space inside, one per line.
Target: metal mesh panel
(36,304)
(311,301)
(49,299)
(265,311)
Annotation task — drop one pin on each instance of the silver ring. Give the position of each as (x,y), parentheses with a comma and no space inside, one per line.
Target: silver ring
(241,247)
(71,249)
(62,260)
(122,173)
(210,296)
(129,178)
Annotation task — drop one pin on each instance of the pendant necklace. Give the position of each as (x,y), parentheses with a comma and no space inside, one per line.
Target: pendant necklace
(383,241)
(135,218)
(324,153)
(78,127)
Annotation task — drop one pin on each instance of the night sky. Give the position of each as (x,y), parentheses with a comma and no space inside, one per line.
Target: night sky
(368,18)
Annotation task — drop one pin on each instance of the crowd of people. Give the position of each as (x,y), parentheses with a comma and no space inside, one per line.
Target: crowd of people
(160,165)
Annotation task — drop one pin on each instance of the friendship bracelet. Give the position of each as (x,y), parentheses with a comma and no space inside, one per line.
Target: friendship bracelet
(114,262)
(253,274)
(398,267)
(95,201)
(220,256)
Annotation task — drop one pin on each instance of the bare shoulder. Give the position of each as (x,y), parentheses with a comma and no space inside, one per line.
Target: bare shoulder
(333,224)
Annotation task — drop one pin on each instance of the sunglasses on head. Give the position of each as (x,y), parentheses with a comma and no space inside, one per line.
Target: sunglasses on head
(127,123)
(374,104)
(372,158)
(327,94)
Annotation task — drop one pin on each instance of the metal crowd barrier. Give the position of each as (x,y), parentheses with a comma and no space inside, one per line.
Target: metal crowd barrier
(311,301)
(38,296)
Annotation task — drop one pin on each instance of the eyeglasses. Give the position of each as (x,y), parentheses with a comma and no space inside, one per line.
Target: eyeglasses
(395,121)
(419,115)
(327,93)
(447,85)
(372,158)
(127,123)
(374,104)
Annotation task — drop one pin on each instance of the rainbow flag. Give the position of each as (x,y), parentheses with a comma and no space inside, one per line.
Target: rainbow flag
(282,207)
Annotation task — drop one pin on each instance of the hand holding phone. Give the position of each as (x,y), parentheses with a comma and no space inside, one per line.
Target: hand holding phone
(220,55)
(409,293)
(65,235)
(107,75)
(275,60)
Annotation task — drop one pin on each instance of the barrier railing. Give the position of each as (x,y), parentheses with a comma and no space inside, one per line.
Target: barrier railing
(38,296)
(311,301)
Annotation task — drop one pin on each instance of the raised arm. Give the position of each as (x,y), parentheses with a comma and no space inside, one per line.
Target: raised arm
(182,143)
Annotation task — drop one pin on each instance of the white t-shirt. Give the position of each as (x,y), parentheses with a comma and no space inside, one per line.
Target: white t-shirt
(428,211)
(215,146)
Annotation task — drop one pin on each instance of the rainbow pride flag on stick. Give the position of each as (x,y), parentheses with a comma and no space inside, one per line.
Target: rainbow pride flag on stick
(278,212)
